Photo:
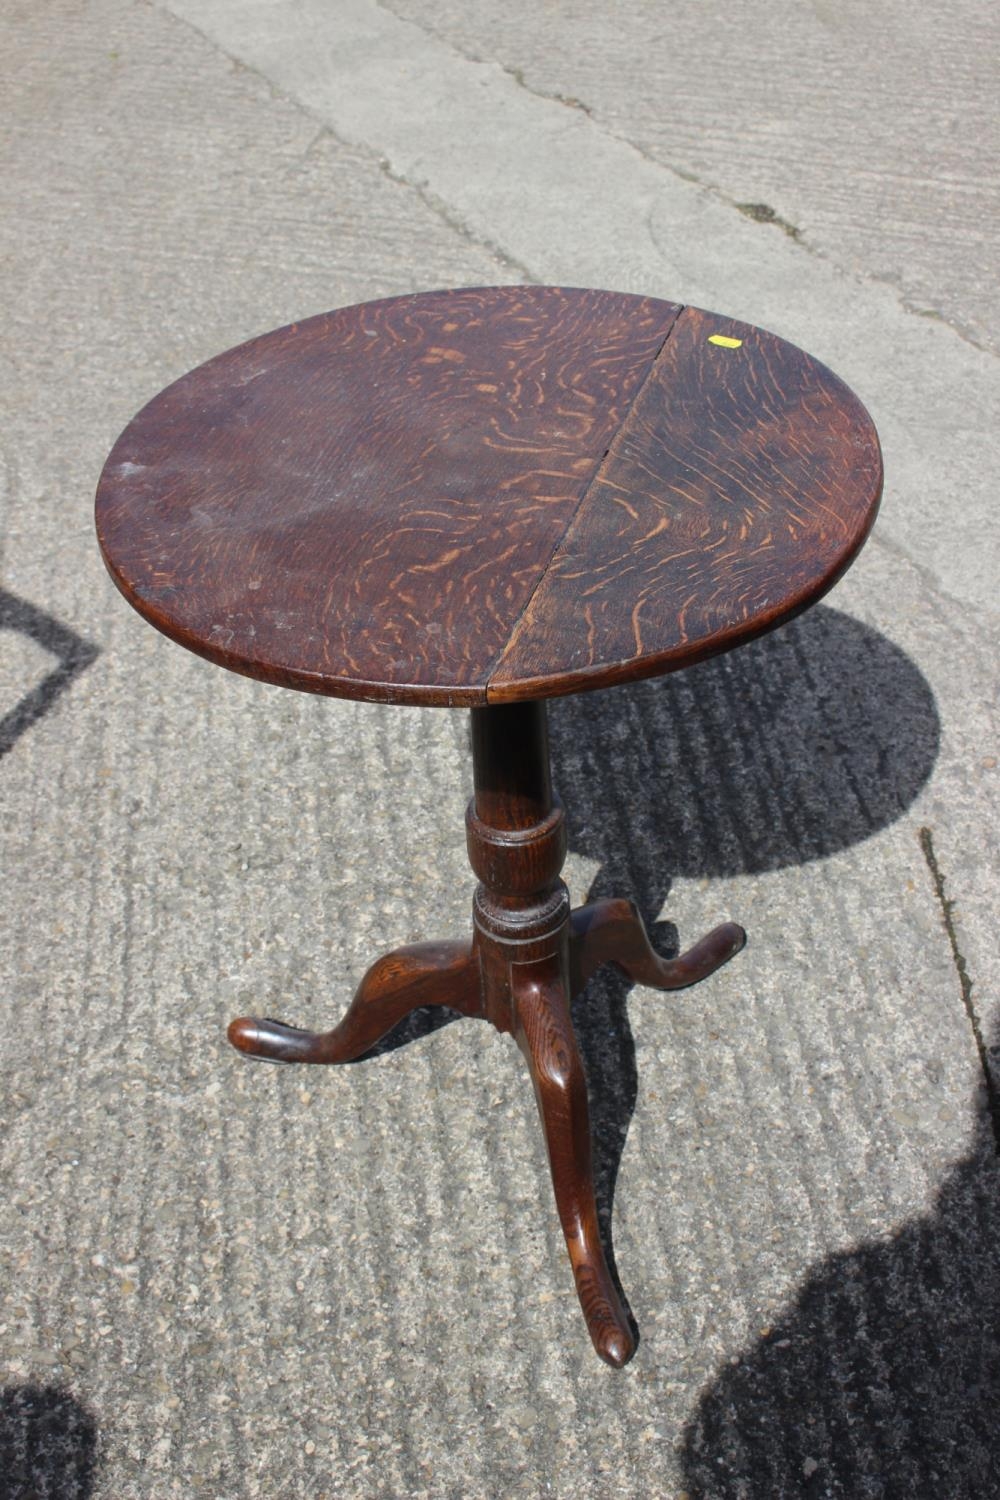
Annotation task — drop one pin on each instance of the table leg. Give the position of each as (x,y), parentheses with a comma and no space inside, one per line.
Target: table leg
(529,956)
(614,932)
(544,1032)
(401,981)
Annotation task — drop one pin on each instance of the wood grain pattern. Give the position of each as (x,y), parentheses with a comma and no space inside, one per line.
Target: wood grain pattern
(362,504)
(488,495)
(396,984)
(741,485)
(612,931)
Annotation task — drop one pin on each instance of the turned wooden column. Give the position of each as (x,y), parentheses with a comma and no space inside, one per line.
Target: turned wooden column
(516,834)
(529,955)
(522,920)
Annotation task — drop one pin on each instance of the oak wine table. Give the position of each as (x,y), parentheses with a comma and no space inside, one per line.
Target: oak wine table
(483,499)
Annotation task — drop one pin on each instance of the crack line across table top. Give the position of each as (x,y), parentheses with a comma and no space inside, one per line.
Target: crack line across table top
(487,494)
(741,486)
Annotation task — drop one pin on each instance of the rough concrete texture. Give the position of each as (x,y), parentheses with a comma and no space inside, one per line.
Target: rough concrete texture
(238,1281)
(868,133)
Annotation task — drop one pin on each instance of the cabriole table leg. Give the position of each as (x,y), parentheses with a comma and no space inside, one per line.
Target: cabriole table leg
(529,956)
(398,983)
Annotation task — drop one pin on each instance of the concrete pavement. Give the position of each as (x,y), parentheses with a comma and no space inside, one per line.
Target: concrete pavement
(232,1281)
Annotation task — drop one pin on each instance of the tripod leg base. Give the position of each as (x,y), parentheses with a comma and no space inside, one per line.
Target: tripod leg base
(398,983)
(614,932)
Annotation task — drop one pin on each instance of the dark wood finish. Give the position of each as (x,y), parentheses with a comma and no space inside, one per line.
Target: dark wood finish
(545,1035)
(398,983)
(362,504)
(510,756)
(529,956)
(613,932)
(739,488)
(492,495)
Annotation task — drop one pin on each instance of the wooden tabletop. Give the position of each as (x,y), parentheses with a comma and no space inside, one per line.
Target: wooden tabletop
(488,495)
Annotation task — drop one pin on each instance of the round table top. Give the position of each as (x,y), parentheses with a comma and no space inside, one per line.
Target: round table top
(488,495)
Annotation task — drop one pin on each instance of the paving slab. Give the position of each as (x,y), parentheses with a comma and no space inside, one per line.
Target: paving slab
(866,133)
(567,201)
(237,1281)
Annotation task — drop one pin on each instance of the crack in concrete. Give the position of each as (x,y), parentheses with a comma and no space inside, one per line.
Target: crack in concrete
(316,141)
(931,314)
(440,208)
(325,129)
(965,980)
(762,213)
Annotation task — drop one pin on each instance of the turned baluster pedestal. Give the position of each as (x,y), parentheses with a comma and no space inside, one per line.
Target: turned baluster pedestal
(529,956)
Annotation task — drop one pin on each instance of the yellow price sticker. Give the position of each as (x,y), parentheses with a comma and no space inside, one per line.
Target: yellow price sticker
(723,341)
